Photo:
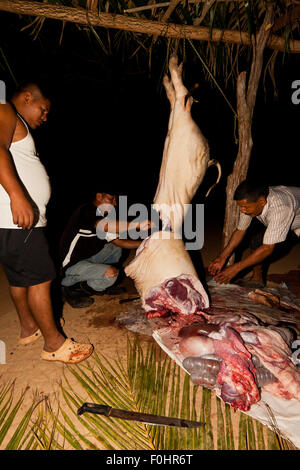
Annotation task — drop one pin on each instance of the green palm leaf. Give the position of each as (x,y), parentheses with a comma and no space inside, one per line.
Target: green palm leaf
(23,435)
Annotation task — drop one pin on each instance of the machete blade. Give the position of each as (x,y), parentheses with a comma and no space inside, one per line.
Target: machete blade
(136,416)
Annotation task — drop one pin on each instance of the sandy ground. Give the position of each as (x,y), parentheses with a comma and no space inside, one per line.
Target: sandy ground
(94,324)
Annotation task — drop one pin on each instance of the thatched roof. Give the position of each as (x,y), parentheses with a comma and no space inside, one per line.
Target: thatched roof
(221,20)
(219,32)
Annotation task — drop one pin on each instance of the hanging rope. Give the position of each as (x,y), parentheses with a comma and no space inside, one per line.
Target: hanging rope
(213,79)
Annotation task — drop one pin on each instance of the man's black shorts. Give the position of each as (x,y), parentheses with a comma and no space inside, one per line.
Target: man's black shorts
(24,255)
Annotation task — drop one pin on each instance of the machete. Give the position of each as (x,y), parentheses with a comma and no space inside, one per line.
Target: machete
(135,416)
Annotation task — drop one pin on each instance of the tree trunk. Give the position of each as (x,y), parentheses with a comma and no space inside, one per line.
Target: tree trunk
(241,163)
(246,98)
(138,25)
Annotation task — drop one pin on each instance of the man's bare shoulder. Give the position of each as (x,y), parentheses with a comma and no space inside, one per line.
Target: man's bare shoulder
(7,112)
(8,120)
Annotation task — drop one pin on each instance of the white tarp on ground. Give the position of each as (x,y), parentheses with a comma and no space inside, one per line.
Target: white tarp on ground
(285,412)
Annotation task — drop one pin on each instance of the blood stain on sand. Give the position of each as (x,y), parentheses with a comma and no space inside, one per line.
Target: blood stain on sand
(102,320)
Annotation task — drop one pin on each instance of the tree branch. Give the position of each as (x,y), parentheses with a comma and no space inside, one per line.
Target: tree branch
(246,98)
(259,44)
(166,4)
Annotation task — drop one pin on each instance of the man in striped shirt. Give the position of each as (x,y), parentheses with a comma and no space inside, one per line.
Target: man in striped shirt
(277,207)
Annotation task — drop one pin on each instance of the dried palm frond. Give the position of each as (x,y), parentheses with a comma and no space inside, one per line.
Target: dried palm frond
(6,65)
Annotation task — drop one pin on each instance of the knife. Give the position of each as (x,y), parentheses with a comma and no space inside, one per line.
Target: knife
(135,416)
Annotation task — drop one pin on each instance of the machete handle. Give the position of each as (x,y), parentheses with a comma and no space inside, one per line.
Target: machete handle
(94,408)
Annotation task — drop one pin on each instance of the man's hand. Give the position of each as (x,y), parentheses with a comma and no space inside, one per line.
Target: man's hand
(216,265)
(22,212)
(146,225)
(225,276)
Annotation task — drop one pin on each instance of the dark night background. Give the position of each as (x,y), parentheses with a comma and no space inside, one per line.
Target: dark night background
(109,119)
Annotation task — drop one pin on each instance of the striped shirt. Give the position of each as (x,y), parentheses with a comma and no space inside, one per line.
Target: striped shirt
(280,214)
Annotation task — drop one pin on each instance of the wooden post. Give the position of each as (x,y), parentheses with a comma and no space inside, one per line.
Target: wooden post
(246,97)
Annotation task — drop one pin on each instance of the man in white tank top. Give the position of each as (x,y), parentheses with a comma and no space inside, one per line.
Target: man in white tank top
(24,194)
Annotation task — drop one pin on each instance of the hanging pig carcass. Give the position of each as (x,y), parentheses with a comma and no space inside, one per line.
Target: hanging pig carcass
(185,156)
(162,270)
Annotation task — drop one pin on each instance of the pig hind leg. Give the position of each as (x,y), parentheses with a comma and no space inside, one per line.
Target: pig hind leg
(176,76)
(169,90)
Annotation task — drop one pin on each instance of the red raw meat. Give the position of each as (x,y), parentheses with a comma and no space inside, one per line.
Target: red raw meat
(237,373)
(176,295)
(236,340)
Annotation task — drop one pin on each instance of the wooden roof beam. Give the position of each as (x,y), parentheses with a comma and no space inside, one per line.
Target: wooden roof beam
(137,25)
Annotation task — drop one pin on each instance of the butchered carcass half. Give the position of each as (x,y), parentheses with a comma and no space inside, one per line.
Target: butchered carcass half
(165,277)
(185,156)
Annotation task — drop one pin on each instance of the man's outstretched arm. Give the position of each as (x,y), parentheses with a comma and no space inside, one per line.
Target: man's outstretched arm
(119,226)
(129,244)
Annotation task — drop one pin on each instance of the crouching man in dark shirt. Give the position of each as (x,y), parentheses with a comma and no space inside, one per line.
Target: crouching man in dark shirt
(90,248)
